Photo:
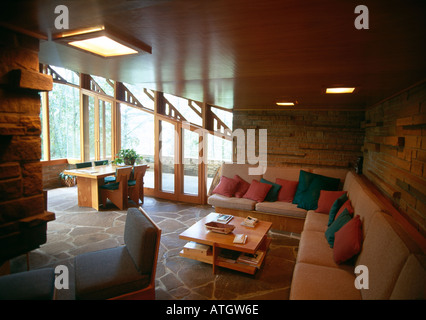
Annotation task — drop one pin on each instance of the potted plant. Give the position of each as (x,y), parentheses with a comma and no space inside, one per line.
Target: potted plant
(67,179)
(127,156)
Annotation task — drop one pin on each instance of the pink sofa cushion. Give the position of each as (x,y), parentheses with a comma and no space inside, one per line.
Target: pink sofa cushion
(288,189)
(326,200)
(226,187)
(242,186)
(257,191)
(348,240)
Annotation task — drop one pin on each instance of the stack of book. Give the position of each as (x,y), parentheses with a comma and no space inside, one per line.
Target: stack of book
(224,218)
(228,255)
(249,222)
(251,259)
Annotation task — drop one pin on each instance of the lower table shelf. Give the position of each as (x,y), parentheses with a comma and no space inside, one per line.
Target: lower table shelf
(214,257)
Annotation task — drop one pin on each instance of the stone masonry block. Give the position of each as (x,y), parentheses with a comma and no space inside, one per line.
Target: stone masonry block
(10,170)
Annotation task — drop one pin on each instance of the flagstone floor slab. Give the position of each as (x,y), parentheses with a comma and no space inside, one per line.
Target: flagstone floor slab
(77,230)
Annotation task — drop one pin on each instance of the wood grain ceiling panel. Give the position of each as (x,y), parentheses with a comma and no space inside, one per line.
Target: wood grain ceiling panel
(245,53)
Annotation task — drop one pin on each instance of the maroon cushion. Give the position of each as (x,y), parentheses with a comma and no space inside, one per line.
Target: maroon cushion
(242,186)
(327,199)
(346,205)
(348,240)
(226,187)
(257,191)
(288,189)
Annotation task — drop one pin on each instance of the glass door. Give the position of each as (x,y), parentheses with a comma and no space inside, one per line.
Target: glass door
(105,130)
(97,128)
(180,170)
(190,161)
(167,155)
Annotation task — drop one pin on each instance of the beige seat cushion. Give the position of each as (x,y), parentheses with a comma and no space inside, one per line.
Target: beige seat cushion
(281,208)
(315,282)
(314,249)
(316,221)
(217,200)
(384,253)
(411,283)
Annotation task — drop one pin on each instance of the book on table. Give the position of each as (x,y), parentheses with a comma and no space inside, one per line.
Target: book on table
(240,238)
(224,218)
(250,222)
(251,259)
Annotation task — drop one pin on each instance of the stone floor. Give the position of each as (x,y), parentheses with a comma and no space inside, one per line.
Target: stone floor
(77,230)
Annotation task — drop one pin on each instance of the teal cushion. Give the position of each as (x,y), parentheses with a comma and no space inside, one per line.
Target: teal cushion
(111,186)
(273,192)
(131,183)
(336,207)
(309,189)
(109,179)
(341,220)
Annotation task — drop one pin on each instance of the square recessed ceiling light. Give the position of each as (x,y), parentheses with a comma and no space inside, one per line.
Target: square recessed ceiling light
(102,41)
(338,90)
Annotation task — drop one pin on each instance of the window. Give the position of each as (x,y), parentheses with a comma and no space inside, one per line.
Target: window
(225,116)
(139,93)
(79,124)
(64,122)
(105,85)
(186,108)
(137,132)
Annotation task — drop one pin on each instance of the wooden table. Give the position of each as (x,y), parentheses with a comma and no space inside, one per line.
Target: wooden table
(88,182)
(257,240)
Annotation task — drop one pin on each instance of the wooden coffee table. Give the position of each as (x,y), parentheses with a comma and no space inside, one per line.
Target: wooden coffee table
(257,243)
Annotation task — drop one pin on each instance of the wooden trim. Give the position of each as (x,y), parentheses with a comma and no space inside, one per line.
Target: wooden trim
(46,163)
(402,219)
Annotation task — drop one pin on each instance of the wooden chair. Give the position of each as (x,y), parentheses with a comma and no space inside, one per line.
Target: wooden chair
(83,165)
(124,272)
(135,187)
(117,192)
(101,163)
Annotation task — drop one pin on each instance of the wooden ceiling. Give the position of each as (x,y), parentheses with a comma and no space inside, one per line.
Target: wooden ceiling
(246,53)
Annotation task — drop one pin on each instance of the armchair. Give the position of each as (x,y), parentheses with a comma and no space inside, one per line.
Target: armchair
(125,272)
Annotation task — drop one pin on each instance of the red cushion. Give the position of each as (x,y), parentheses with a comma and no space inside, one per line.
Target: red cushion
(257,191)
(288,189)
(242,186)
(346,205)
(226,187)
(327,199)
(348,240)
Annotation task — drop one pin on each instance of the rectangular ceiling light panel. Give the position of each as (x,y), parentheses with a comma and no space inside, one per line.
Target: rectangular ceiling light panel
(103,46)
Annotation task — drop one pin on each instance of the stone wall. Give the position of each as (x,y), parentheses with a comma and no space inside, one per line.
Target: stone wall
(23,218)
(395,151)
(306,137)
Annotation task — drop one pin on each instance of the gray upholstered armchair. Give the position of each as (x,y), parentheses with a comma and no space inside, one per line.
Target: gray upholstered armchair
(125,272)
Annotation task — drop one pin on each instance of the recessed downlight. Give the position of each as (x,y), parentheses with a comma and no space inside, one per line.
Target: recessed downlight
(339,90)
(285,103)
